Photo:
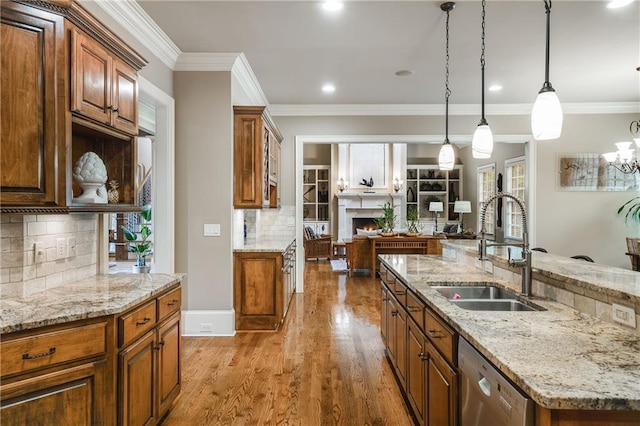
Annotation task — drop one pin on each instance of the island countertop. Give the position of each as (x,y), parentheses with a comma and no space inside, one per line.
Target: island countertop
(91,297)
(561,358)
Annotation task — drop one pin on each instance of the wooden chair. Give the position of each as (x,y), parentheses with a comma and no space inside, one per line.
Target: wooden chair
(358,253)
(316,246)
(633,251)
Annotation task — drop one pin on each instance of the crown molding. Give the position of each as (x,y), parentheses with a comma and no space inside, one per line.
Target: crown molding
(131,16)
(458,140)
(249,82)
(304,110)
(206,61)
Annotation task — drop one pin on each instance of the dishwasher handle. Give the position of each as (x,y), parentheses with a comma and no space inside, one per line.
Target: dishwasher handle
(484,385)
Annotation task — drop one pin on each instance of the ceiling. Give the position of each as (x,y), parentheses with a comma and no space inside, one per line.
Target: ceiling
(294,47)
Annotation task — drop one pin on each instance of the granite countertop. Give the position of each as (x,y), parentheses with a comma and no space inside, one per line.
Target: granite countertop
(616,282)
(562,359)
(91,297)
(272,244)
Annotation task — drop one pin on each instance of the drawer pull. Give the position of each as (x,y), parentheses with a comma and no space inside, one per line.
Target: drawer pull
(394,313)
(51,352)
(400,293)
(173,302)
(144,321)
(414,308)
(423,356)
(434,333)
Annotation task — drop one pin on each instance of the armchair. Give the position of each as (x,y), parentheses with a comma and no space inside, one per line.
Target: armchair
(316,246)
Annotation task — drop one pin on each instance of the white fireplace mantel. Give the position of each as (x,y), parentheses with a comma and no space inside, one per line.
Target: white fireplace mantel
(364,204)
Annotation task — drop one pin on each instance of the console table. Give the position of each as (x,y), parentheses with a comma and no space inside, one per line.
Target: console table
(362,252)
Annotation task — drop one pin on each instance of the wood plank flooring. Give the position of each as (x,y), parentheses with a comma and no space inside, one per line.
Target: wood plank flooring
(325,367)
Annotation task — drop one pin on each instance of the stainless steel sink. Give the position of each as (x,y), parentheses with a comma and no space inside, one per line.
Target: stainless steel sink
(485,298)
(475,292)
(495,305)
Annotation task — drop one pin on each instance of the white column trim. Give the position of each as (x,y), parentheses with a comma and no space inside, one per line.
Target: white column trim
(208,323)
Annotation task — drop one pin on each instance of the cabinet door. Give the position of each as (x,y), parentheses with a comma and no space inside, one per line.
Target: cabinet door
(91,67)
(168,363)
(392,313)
(247,157)
(442,390)
(401,346)
(125,98)
(258,290)
(384,297)
(32,45)
(73,396)
(416,378)
(137,383)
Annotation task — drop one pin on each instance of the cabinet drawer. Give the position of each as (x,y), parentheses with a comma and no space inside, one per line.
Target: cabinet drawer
(51,348)
(169,303)
(440,335)
(415,307)
(400,291)
(136,323)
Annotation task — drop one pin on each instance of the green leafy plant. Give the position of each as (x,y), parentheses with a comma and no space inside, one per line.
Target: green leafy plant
(632,208)
(387,222)
(413,221)
(141,248)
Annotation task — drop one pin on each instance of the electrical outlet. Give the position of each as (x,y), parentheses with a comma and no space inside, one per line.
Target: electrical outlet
(623,315)
(211,229)
(206,327)
(61,248)
(71,246)
(39,253)
(291,221)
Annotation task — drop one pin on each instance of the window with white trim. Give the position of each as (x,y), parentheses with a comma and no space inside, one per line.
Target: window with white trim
(486,188)
(516,180)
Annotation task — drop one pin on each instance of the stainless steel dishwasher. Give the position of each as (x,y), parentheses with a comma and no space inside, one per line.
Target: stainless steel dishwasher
(487,397)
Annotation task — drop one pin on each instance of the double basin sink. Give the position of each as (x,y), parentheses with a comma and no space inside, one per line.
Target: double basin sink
(485,298)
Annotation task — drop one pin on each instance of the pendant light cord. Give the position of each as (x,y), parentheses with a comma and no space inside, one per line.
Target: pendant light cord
(447,91)
(482,61)
(547,8)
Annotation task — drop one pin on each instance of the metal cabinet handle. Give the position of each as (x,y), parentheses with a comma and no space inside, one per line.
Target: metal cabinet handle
(394,313)
(423,356)
(173,302)
(414,308)
(434,333)
(144,321)
(400,293)
(36,356)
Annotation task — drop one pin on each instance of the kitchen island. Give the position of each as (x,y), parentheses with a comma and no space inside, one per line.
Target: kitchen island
(71,354)
(568,362)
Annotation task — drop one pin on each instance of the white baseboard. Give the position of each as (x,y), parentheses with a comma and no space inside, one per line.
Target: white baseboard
(208,323)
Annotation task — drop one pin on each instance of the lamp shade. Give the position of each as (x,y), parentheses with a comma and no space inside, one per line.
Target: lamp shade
(462,207)
(447,157)
(436,206)
(482,142)
(546,117)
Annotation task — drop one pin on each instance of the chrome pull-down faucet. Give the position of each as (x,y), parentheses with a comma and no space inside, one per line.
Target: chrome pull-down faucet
(525,261)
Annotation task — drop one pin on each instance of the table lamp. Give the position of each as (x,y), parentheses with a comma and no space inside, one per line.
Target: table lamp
(462,207)
(436,207)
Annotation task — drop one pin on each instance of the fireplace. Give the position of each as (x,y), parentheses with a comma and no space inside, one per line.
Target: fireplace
(366,223)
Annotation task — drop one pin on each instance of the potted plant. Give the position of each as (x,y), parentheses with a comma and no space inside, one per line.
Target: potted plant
(632,208)
(414,227)
(141,248)
(387,222)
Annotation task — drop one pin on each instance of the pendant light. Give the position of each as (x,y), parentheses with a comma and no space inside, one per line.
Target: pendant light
(546,117)
(446,158)
(482,141)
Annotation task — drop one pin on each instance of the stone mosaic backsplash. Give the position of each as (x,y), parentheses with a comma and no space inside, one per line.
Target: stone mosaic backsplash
(67,251)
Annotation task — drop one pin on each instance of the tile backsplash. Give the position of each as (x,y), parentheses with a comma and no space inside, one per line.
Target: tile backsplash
(67,251)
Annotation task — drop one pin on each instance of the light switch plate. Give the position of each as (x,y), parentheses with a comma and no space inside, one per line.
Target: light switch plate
(211,229)
(623,315)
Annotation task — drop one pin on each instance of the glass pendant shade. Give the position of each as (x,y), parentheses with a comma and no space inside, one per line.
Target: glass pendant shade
(546,117)
(610,157)
(482,142)
(446,158)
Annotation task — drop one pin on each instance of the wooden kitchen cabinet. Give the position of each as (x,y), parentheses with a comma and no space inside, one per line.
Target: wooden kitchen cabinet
(260,295)
(33,143)
(421,351)
(103,87)
(58,374)
(149,360)
(69,86)
(256,166)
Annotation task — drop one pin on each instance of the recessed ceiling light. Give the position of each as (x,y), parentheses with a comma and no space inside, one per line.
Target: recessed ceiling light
(614,4)
(328,88)
(404,73)
(332,5)
(495,88)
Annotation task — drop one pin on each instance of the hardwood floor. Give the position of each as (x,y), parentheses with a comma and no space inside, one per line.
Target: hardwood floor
(325,367)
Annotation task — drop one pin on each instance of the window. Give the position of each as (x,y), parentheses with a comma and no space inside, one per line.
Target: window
(515,171)
(486,188)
